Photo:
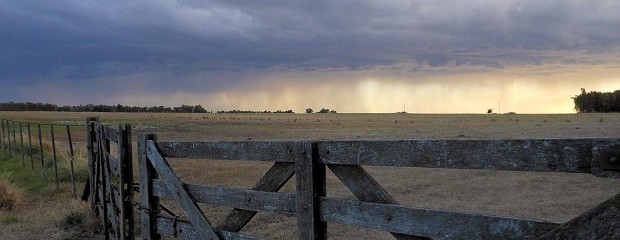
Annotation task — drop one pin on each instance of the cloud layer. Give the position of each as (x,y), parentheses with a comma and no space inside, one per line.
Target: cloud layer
(210,47)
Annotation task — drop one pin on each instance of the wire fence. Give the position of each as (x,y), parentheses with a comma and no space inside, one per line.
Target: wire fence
(55,143)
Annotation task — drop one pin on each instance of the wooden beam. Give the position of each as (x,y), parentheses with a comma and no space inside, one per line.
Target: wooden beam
(149,202)
(243,199)
(274,151)
(429,223)
(310,173)
(191,209)
(540,155)
(185,230)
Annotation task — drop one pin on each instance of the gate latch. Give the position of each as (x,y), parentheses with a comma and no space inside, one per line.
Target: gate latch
(610,160)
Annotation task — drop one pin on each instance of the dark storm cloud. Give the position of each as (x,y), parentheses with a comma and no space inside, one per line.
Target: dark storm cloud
(164,40)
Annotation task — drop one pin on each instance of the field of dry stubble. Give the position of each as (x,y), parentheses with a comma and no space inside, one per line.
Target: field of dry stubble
(540,196)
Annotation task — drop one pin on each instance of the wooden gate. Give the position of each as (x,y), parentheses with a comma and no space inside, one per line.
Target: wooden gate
(375,208)
(110,183)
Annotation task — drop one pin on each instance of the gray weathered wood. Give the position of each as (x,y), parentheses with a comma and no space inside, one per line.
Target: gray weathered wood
(310,176)
(251,200)
(597,150)
(274,151)
(272,181)
(601,222)
(541,155)
(185,230)
(8,131)
(104,181)
(149,202)
(14,139)
(113,163)
(365,188)
(429,223)
(111,134)
(191,209)
(126,181)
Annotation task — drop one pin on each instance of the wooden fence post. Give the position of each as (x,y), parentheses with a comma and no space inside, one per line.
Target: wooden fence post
(14,138)
(21,139)
(54,156)
(149,203)
(2,134)
(41,152)
(8,131)
(71,159)
(30,148)
(310,172)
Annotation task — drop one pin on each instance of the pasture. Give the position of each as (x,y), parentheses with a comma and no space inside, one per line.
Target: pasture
(538,196)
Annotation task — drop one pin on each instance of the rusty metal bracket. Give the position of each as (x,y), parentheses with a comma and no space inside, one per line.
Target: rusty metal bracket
(610,160)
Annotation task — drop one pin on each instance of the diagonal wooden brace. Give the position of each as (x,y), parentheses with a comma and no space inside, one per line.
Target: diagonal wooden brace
(365,188)
(191,209)
(272,181)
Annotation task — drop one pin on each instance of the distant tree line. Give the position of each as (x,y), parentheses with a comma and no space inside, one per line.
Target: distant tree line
(594,101)
(250,111)
(29,106)
(323,110)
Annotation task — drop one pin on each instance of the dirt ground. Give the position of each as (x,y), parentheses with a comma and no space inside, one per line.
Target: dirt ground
(540,196)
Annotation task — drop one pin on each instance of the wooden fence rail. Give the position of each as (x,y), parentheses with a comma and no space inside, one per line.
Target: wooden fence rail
(375,208)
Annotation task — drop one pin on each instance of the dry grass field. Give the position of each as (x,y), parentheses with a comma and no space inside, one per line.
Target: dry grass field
(541,196)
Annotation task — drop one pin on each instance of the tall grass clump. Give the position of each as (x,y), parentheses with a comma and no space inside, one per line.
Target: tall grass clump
(10,194)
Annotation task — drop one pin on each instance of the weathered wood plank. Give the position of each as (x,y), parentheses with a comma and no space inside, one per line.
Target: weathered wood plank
(274,202)
(274,151)
(601,222)
(598,154)
(126,182)
(310,176)
(149,202)
(185,230)
(544,155)
(113,163)
(429,223)
(272,181)
(202,225)
(110,133)
(366,188)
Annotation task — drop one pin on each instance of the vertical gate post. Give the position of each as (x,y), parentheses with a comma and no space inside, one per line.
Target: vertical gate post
(149,203)
(310,172)
(126,181)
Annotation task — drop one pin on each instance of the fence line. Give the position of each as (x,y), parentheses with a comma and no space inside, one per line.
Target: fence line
(14,147)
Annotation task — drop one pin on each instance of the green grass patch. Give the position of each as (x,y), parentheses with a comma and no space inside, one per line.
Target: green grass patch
(24,177)
(10,219)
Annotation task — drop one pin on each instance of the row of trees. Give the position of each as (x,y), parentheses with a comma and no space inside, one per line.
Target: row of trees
(29,106)
(594,101)
(323,110)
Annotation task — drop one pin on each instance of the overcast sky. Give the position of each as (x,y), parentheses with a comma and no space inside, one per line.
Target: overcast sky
(353,56)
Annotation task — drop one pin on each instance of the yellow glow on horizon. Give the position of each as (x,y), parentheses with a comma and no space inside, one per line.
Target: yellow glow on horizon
(545,89)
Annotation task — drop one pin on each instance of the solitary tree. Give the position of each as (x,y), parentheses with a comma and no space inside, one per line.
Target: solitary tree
(490,111)
(309,110)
